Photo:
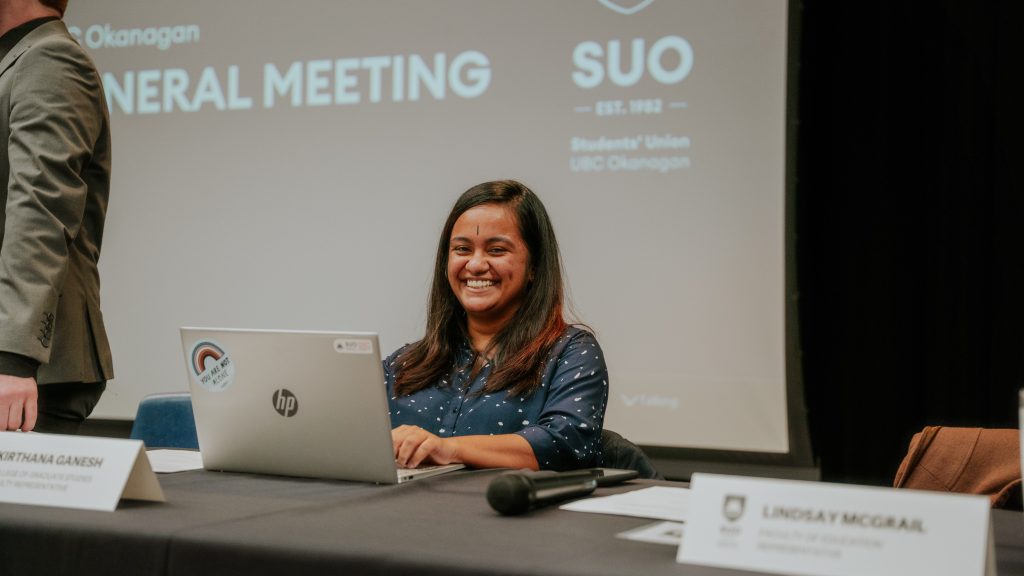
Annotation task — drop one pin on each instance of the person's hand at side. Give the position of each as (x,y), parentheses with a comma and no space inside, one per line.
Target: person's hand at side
(18,397)
(415,446)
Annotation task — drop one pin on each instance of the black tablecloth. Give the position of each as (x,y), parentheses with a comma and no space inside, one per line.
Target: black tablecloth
(228,524)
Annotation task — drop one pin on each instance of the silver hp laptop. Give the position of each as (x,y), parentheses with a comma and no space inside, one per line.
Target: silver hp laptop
(309,404)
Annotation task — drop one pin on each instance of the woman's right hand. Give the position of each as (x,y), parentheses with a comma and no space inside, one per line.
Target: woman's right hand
(415,446)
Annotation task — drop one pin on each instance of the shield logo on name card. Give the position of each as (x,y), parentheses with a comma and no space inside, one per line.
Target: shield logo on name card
(733,507)
(626,7)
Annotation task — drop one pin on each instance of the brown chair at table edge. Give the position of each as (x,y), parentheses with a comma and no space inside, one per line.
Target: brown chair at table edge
(984,461)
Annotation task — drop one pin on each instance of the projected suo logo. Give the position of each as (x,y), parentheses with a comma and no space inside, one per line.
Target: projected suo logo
(668,61)
(285,402)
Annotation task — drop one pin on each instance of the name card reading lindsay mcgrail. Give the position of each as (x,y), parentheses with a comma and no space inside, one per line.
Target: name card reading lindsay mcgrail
(74,471)
(792,527)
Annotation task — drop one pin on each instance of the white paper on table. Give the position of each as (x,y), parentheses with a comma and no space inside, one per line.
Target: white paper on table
(164,461)
(658,502)
(670,533)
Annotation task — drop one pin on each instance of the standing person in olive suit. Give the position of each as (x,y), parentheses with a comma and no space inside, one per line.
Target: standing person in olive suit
(54,185)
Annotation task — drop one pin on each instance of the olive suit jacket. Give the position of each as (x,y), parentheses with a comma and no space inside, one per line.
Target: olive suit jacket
(54,185)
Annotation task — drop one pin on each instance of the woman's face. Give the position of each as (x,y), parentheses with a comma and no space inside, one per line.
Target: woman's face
(488,263)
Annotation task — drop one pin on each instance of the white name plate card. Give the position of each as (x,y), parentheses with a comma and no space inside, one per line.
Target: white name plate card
(74,471)
(812,528)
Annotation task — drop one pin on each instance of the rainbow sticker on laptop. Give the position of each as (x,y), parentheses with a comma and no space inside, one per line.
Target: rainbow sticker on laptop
(211,367)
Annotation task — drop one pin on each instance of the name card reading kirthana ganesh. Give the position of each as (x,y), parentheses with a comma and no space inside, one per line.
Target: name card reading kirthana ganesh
(74,471)
(46,479)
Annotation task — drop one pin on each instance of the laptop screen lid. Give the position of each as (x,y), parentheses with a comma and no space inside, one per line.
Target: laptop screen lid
(309,404)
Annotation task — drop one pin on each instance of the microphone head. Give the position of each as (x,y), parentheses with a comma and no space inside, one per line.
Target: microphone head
(509,494)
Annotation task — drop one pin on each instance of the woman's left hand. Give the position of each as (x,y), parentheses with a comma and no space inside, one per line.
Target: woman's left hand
(414,446)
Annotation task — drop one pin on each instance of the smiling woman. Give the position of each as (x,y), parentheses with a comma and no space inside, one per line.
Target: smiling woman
(487,269)
(499,379)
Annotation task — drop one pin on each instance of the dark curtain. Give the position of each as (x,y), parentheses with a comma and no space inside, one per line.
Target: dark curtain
(910,224)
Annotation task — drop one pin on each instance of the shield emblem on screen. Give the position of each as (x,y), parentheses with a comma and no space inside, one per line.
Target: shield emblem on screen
(627,7)
(733,507)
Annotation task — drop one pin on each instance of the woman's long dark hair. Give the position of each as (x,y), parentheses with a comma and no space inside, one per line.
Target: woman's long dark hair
(520,349)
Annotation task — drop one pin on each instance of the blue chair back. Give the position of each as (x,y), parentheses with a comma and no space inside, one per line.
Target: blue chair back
(166,421)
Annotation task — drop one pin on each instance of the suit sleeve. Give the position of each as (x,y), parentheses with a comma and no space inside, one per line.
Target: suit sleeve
(54,125)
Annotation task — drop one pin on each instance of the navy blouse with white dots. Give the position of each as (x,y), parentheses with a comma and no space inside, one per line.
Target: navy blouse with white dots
(561,420)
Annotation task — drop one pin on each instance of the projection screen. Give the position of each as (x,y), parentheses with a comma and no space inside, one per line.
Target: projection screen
(289,165)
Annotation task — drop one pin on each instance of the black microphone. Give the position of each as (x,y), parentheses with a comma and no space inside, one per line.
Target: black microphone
(516,492)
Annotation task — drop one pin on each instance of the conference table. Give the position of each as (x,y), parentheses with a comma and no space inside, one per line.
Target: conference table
(228,523)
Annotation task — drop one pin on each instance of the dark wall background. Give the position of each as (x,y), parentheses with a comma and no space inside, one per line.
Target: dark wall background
(910,223)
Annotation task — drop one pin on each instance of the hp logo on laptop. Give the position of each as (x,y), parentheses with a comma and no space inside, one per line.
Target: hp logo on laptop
(285,403)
